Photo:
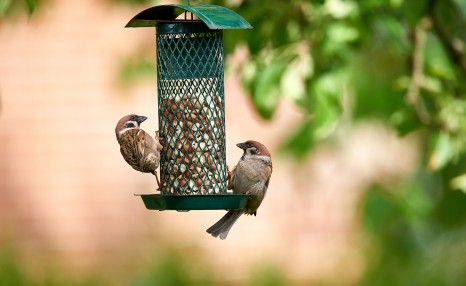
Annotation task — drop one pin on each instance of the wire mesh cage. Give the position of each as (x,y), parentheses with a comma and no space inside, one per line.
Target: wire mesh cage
(191,108)
(191,105)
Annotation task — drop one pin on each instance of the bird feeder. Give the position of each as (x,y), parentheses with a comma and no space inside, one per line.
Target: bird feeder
(191,105)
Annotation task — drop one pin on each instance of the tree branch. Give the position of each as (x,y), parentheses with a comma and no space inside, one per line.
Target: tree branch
(417,72)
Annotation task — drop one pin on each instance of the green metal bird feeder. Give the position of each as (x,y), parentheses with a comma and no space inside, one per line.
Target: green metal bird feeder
(191,105)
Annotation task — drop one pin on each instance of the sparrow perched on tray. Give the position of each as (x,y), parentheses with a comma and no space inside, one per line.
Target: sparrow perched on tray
(139,149)
(251,176)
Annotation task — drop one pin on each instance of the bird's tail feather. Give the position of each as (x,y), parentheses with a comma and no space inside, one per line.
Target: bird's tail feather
(223,226)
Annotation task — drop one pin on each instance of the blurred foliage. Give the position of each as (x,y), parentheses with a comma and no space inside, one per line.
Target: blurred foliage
(137,65)
(185,266)
(12,7)
(169,266)
(10,270)
(177,268)
(13,272)
(268,274)
(9,8)
(397,61)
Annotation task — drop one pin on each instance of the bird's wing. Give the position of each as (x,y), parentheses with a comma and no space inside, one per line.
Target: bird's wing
(232,181)
(128,148)
(140,140)
(268,173)
(266,185)
(151,143)
(128,155)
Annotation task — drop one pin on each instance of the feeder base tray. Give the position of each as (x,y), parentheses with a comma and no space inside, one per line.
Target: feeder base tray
(194,202)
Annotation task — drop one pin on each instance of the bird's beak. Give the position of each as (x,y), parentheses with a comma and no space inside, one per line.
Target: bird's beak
(141,119)
(241,145)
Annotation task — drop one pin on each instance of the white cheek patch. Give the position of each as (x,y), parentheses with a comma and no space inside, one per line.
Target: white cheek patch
(124,130)
(265,159)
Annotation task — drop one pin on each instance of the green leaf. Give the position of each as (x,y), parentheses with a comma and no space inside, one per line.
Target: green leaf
(442,151)
(414,199)
(338,36)
(340,33)
(4,6)
(379,210)
(325,93)
(459,183)
(437,61)
(413,11)
(340,8)
(374,77)
(404,120)
(451,210)
(300,140)
(293,83)
(266,89)
(31,4)
(295,76)
(249,75)
(451,20)
(326,116)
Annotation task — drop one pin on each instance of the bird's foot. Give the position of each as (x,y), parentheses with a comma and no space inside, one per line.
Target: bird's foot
(158,137)
(158,182)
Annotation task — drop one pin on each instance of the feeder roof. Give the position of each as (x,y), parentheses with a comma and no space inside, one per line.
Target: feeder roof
(215,17)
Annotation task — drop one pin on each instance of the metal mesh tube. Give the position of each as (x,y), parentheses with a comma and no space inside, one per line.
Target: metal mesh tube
(191,108)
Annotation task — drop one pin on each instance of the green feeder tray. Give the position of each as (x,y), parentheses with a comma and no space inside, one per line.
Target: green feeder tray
(194,202)
(191,105)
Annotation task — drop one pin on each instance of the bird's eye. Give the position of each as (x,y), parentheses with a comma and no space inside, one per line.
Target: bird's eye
(133,117)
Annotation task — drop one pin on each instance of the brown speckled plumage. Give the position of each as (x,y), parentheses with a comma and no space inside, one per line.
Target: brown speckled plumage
(139,149)
(250,176)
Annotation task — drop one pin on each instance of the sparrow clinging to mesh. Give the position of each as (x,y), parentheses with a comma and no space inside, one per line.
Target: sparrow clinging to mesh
(251,176)
(139,149)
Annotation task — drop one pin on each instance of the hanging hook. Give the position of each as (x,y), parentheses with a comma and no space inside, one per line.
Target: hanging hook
(186,12)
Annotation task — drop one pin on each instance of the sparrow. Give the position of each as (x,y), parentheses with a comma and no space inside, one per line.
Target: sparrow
(251,176)
(139,149)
